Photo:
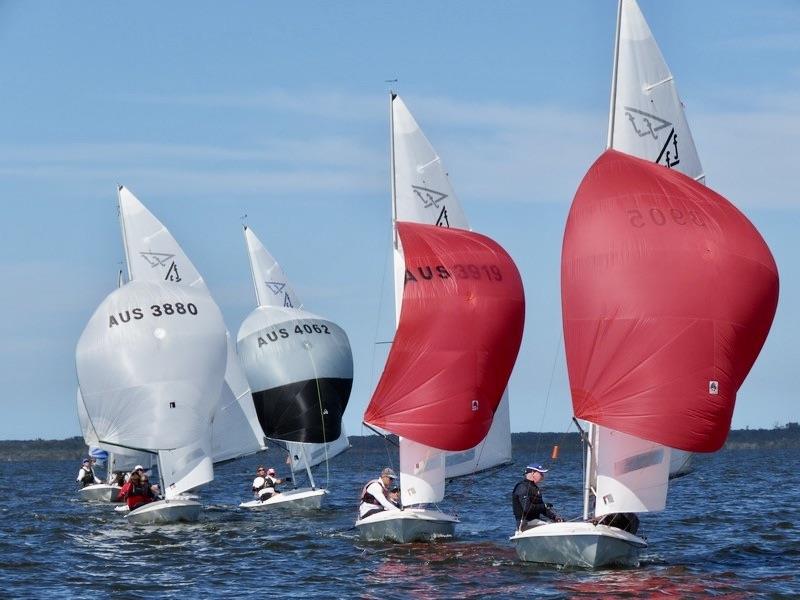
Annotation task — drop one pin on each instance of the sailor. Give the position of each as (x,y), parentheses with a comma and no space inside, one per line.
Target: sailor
(137,491)
(86,474)
(376,496)
(266,482)
(526,499)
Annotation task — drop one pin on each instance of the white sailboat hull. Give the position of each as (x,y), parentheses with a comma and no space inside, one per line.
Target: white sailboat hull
(404,526)
(99,492)
(303,498)
(578,545)
(165,511)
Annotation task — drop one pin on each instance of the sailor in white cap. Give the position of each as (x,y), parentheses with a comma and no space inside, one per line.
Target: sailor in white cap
(527,502)
(86,474)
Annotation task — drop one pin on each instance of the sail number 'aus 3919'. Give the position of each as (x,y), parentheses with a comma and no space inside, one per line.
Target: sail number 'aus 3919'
(459,271)
(283,333)
(155,310)
(657,216)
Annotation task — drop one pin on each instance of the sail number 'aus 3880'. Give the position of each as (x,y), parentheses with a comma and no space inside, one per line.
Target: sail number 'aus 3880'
(155,310)
(656,216)
(459,271)
(283,333)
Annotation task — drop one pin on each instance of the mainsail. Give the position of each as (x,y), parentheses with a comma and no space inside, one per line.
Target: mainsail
(659,330)
(299,365)
(647,117)
(422,193)
(153,254)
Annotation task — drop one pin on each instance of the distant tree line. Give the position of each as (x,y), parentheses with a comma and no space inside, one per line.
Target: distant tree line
(74,448)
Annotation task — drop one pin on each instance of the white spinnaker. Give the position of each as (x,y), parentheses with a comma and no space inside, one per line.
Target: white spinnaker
(421,473)
(315,453)
(278,346)
(120,459)
(423,194)
(271,285)
(153,254)
(632,474)
(647,118)
(151,376)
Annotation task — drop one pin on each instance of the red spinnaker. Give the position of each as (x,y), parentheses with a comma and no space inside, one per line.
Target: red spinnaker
(668,293)
(459,334)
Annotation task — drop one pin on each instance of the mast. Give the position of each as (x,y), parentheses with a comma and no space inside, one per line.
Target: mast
(395,240)
(308,468)
(587,487)
(613,100)
(124,236)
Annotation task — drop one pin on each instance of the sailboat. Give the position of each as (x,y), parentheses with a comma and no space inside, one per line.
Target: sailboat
(460,327)
(647,119)
(659,333)
(150,366)
(422,193)
(300,367)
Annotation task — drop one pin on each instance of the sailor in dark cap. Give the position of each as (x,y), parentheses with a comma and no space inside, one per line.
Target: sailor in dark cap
(376,496)
(526,499)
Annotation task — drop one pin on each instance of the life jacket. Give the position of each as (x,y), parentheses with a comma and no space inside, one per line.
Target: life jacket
(267,487)
(88,476)
(369,498)
(139,494)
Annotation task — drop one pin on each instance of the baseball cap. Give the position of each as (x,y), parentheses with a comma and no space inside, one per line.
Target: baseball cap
(138,468)
(536,467)
(387,472)
(270,471)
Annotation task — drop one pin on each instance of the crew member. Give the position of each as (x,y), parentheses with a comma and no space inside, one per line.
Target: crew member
(137,491)
(266,482)
(526,499)
(86,474)
(376,496)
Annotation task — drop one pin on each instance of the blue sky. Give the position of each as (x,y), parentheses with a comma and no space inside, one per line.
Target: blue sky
(209,111)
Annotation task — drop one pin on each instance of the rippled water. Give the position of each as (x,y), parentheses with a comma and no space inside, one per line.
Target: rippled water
(730,530)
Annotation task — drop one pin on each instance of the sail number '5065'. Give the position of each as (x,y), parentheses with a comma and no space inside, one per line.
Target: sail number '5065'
(284,332)
(155,310)
(656,216)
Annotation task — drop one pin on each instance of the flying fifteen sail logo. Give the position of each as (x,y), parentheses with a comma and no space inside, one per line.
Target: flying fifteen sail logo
(646,124)
(277,288)
(162,259)
(428,196)
(713,388)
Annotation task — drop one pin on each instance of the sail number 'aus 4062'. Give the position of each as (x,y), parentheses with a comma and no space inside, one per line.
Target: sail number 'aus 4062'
(155,310)
(283,333)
